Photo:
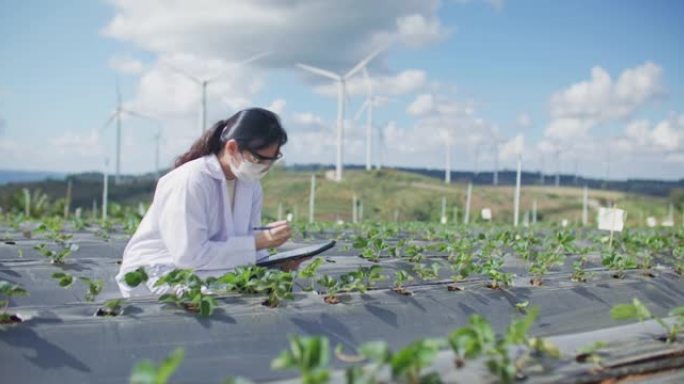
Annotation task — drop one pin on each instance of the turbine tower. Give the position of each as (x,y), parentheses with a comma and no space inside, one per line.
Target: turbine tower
(116,117)
(341,92)
(204,83)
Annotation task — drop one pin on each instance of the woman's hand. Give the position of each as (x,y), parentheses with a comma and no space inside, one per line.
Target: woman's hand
(274,237)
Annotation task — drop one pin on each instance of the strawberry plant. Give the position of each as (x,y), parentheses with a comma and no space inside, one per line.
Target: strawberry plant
(541,264)
(332,287)
(400,278)
(9,290)
(309,272)
(111,308)
(243,279)
(462,266)
(187,292)
(637,310)
(407,364)
(277,285)
(135,278)
(94,287)
(63,279)
(617,262)
(678,263)
(309,355)
(58,256)
(147,372)
(497,278)
(427,272)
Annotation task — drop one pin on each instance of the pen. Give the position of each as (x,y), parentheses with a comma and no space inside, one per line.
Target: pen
(261,228)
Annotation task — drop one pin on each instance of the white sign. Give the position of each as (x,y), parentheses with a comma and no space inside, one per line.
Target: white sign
(443,220)
(486,214)
(564,223)
(611,219)
(289,217)
(651,221)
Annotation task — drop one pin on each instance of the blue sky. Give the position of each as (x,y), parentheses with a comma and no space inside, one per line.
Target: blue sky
(504,59)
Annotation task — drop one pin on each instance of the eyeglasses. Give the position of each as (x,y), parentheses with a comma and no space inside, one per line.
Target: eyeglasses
(260,159)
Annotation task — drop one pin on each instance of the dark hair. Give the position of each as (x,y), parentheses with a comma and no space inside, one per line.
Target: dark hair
(252,128)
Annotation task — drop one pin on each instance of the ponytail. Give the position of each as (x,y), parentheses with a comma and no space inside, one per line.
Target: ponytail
(253,129)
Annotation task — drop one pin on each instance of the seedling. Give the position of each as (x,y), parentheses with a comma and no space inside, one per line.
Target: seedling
(94,288)
(146,372)
(309,272)
(637,310)
(414,252)
(497,278)
(309,355)
(244,279)
(332,286)
(187,292)
(541,264)
(400,278)
(277,285)
(63,279)
(617,262)
(427,272)
(9,290)
(462,266)
(590,353)
(111,308)
(407,364)
(56,257)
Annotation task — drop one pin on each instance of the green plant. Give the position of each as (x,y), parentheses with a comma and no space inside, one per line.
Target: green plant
(579,275)
(147,372)
(617,262)
(462,266)
(427,272)
(407,364)
(110,308)
(332,286)
(309,355)
(678,263)
(94,287)
(9,290)
(277,285)
(187,292)
(56,257)
(637,310)
(63,279)
(541,264)
(135,278)
(243,279)
(309,272)
(400,278)
(590,353)
(497,278)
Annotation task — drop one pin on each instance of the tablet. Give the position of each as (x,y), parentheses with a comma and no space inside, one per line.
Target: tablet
(308,251)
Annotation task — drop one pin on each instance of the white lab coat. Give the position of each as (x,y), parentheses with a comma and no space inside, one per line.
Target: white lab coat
(190,224)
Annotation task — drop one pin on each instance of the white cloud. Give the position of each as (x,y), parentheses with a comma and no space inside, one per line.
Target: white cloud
(126,65)
(78,144)
(330,34)
(580,107)
(513,147)
(422,105)
(416,30)
(277,106)
(666,136)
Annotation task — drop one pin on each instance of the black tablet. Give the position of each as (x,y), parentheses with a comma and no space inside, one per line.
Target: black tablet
(308,251)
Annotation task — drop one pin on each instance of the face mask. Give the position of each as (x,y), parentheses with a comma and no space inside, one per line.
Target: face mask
(248,171)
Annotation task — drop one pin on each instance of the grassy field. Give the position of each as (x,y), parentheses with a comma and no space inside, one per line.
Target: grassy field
(393,195)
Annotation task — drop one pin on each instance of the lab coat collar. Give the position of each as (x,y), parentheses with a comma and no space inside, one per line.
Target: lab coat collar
(213,167)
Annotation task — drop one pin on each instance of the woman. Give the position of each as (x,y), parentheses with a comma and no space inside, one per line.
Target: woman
(204,212)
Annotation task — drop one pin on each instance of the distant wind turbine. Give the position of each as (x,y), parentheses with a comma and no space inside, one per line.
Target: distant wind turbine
(116,117)
(204,83)
(372,101)
(341,99)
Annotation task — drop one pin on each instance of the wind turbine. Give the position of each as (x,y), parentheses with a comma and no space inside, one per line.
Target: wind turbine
(116,117)
(204,83)
(158,140)
(341,92)
(368,106)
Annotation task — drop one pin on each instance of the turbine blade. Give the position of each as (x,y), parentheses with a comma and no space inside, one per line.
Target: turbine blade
(238,64)
(364,62)
(109,121)
(320,72)
(361,109)
(369,84)
(182,73)
(140,115)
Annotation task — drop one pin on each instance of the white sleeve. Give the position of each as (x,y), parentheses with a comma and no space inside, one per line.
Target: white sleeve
(184,229)
(255,217)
